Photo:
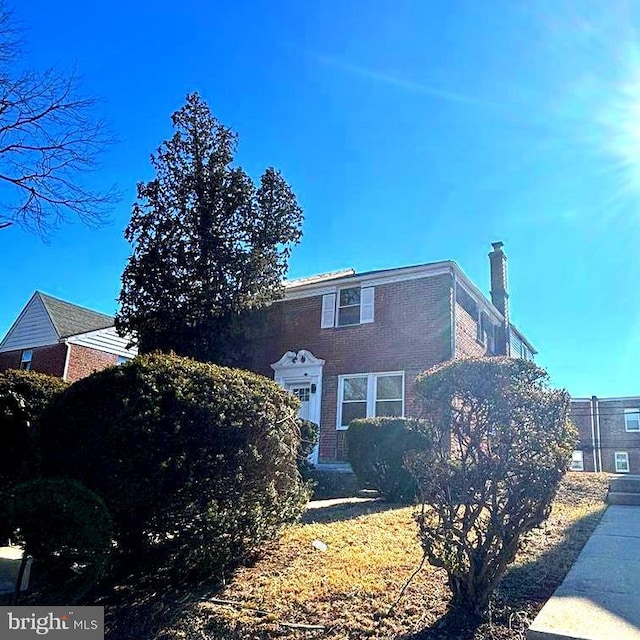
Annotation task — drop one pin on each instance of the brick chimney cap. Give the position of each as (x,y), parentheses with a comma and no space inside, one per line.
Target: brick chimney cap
(497,246)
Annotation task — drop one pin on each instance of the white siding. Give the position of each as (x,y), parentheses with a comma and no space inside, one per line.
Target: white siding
(516,345)
(33,328)
(106,340)
(518,348)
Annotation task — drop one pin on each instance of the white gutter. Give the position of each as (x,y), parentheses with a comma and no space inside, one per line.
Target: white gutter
(66,361)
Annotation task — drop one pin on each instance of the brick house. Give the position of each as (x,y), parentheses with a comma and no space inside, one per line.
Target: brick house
(609,434)
(349,344)
(62,339)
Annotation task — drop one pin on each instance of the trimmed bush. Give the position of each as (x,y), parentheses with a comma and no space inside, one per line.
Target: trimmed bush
(195,462)
(23,397)
(64,525)
(377,449)
(503,444)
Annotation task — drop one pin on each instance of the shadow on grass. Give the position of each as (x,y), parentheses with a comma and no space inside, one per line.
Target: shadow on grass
(348,511)
(523,590)
(143,615)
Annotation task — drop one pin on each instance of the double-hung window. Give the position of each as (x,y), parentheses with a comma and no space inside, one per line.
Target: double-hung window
(480,327)
(369,395)
(621,461)
(347,307)
(632,419)
(25,360)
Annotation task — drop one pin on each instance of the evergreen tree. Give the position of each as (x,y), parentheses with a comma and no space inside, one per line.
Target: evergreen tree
(208,244)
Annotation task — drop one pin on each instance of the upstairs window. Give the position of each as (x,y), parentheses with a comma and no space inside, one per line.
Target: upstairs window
(632,419)
(491,339)
(480,327)
(371,395)
(348,307)
(485,332)
(25,360)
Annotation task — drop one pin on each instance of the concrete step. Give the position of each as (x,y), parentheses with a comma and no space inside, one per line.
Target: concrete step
(623,497)
(624,484)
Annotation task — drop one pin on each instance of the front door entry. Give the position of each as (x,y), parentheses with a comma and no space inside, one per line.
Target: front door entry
(300,373)
(303,393)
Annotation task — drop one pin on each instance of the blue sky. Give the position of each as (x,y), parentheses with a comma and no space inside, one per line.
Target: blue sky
(411,132)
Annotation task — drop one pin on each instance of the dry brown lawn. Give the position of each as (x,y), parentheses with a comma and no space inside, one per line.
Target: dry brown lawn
(349,590)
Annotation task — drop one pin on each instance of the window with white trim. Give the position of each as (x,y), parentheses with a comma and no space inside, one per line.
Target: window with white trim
(577,461)
(348,307)
(25,359)
(621,461)
(369,395)
(632,419)
(482,318)
(122,360)
(491,339)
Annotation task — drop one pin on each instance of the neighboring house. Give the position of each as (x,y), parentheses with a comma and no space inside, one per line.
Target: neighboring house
(609,434)
(62,339)
(349,345)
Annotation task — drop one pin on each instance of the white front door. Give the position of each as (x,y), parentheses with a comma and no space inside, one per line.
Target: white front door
(303,393)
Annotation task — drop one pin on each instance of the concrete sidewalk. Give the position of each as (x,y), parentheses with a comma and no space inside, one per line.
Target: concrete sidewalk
(600,597)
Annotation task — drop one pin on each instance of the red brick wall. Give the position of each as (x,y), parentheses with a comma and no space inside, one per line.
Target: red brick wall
(467,345)
(614,436)
(48,359)
(581,416)
(10,360)
(411,332)
(84,361)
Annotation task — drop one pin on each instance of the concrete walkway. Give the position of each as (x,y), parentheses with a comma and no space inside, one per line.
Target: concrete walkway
(600,597)
(334,502)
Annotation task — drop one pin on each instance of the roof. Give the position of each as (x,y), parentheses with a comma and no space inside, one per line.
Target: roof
(70,319)
(348,273)
(322,279)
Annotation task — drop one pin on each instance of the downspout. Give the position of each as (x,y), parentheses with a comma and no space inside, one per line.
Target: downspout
(596,410)
(593,433)
(66,361)
(454,299)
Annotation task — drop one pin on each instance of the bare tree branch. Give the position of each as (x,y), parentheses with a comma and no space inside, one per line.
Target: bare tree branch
(49,138)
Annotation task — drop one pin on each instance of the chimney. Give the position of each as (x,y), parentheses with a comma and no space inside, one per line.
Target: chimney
(499,295)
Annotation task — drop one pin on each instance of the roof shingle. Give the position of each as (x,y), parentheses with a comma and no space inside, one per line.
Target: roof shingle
(70,319)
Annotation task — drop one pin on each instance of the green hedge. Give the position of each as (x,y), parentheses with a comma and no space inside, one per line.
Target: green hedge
(196,463)
(64,525)
(23,397)
(377,449)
